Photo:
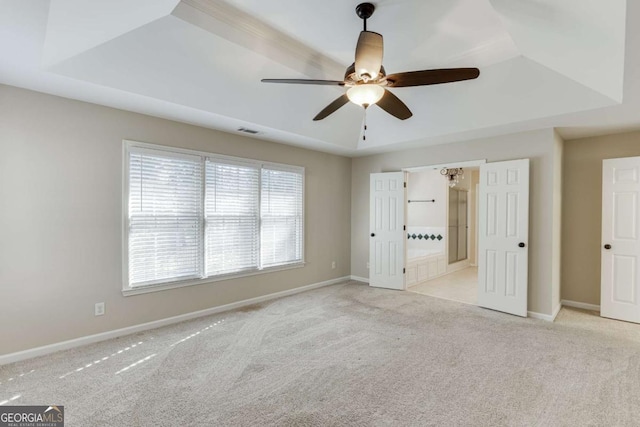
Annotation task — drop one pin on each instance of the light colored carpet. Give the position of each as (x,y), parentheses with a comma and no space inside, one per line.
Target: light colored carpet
(461,286)
(348,355)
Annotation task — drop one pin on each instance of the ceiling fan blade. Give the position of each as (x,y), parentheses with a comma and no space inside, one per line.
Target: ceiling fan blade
(392,105)
(432,77)
(331,108)
(369,51)
(305,82)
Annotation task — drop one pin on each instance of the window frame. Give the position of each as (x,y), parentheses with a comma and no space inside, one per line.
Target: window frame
(273,167)
(128,146)
(227,161)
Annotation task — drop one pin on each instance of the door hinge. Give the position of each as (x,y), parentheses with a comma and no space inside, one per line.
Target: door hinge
(404,270)
(405,185)
(404,227)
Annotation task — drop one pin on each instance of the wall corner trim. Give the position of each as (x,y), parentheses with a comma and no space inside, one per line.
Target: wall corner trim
(540,316)
(360,279)
(546,317)
(103,336)
(582,305)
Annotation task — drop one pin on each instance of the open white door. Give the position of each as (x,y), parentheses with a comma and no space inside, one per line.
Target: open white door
(386,246)
(620,283)
(503,218)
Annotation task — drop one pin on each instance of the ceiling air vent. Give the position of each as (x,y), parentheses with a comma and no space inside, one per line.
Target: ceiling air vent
(245,130)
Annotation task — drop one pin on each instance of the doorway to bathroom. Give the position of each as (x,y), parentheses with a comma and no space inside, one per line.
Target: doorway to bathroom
(501,234)
(442,232)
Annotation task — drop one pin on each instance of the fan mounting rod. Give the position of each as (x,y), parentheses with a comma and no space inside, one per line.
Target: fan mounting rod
(364,11)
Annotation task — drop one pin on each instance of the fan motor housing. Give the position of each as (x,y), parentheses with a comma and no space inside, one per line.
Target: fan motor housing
(350,73)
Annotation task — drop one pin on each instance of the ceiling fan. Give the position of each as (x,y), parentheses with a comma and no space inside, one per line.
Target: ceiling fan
(367,80)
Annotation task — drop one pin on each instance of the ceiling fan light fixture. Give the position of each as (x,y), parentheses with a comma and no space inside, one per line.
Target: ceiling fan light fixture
(366,94)
(366,79)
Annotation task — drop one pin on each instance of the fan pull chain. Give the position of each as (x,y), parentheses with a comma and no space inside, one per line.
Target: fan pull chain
(364,131)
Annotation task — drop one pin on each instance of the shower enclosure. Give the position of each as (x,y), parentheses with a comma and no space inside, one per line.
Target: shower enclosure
(458,225)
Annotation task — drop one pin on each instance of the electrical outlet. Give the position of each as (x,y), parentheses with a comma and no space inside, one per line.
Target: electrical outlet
(333,265)
(99,310)
(367,266)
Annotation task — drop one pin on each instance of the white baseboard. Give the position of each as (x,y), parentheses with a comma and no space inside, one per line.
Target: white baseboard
(90,339)
(582,305)
(360,279)
(546,317)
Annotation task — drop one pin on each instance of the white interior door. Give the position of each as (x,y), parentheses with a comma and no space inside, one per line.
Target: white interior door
(503,236)
(620,285)
(387,236)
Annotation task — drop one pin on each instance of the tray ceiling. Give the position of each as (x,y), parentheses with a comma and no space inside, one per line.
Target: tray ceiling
(543,63)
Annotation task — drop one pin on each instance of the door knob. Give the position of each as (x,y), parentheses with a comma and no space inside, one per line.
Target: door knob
(607,246)
(373,234)
(521,245)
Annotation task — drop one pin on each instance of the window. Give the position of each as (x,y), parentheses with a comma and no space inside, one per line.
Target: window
(281,217)
(164,217)
(194,217)
(232,217)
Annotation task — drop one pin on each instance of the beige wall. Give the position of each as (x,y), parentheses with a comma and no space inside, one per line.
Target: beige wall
(61,208)
(582,211)
(539,146)
(558,148)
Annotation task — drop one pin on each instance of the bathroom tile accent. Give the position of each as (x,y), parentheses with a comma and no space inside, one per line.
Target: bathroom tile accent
(424,236)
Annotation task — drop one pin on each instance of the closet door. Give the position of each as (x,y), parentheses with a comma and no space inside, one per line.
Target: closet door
(620,280)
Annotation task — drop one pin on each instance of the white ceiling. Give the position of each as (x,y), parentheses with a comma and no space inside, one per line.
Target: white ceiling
(544,63)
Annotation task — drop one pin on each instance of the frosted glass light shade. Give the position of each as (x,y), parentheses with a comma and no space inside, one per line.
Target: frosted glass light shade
(366,94)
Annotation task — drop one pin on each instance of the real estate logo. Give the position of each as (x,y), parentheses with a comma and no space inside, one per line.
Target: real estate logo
(32,416)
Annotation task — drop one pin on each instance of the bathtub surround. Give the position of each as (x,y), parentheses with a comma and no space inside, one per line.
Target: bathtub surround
(425,240)
(426,226)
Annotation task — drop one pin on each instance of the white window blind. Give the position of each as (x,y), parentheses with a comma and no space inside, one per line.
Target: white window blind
(231,217)
(194,216)
(281,217)
(165,217)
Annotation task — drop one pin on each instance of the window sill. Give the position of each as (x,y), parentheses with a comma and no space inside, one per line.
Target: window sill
(128,291)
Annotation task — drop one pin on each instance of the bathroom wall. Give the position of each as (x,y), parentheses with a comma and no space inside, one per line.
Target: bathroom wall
(426,221)
(427,185)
